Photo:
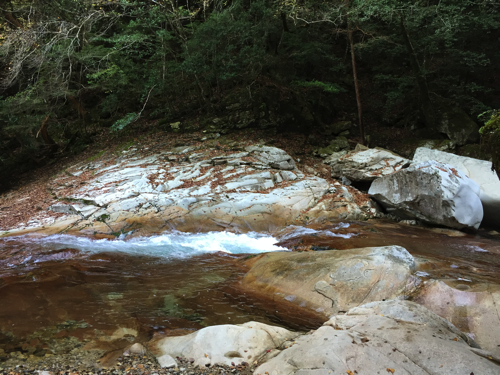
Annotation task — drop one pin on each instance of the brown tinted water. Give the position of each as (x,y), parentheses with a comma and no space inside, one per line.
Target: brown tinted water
(56,299)
(53,299)
(443,253)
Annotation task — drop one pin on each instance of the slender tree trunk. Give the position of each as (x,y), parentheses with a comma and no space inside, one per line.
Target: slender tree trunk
(425,101)
(46,136)
(355,77)
(285,24)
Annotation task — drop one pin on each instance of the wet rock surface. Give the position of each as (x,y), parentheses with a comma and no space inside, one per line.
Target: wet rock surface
(333,281)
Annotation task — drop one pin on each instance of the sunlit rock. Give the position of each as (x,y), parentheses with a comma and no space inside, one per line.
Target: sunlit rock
(397,337)
(335,280)
(480,171)
(432,192)
(226,344)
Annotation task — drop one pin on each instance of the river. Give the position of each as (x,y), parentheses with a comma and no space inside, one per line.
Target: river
(63,292)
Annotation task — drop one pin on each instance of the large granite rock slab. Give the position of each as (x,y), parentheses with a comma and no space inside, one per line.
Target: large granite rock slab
(225,344)
(258,188)
(367,165)
(473,309)
(335,280)
(480,171)
(432,192)
(397,337)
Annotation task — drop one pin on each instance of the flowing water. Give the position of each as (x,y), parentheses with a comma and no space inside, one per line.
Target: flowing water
(59,292)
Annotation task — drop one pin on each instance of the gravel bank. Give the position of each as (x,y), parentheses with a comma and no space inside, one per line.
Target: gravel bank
(125,365)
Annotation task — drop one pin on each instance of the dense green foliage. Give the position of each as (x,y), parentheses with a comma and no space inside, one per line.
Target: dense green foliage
(106,63)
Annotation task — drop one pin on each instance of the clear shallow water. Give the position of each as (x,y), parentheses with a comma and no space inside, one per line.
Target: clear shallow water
(58,289)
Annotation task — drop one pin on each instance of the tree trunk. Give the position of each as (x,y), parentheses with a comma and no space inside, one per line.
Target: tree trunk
(47,139)
(356,85)
(12,21)
(425,102)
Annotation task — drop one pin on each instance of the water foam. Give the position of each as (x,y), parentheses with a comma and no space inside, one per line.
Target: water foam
(297,231)
(167,245)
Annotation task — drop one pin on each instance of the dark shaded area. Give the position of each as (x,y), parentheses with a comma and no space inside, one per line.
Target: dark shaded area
(73,73)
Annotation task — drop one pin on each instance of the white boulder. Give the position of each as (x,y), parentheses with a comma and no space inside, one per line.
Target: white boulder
(226,344)
(432,192)
(480,171)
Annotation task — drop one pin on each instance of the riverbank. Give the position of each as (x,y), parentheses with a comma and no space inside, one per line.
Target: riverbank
(140,246)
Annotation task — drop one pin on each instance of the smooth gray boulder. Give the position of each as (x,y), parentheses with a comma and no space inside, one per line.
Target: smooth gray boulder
(226,344)
(398,337)
(367,165)
(432,192)
(333,281)
(480,171)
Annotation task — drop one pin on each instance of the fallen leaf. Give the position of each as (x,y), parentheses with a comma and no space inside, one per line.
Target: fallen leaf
(391,370)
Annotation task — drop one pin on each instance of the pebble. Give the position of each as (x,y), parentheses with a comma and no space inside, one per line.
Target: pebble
(79,363)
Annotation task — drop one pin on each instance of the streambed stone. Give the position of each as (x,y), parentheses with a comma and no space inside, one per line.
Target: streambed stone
(398,337)
(225,344)
(335,280)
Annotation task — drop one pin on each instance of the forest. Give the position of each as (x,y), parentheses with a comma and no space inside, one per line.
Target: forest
(74,72)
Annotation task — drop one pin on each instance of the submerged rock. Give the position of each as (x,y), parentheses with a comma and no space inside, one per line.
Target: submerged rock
(432,192)
(335,280)
(397,337)
(480,171)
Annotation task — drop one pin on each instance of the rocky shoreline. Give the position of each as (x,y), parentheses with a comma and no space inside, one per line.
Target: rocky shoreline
(370,326)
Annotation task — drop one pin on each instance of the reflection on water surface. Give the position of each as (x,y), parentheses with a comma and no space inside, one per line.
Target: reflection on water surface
(60,287)
(59,292)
